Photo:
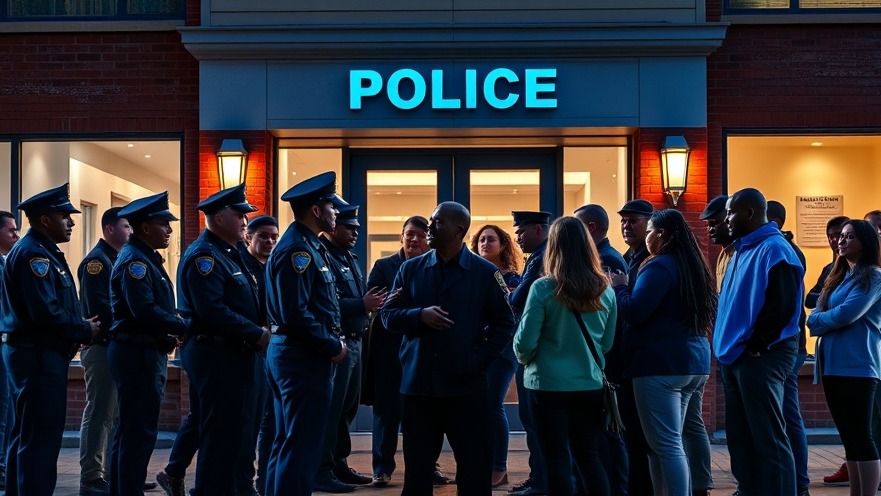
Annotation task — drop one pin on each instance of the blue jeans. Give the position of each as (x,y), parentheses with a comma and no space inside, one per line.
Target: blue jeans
(662,402)
(761,457)
(697,443)
(795,425)
(499,375)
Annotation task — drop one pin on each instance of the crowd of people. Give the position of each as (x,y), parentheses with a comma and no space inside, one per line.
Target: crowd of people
(283,338)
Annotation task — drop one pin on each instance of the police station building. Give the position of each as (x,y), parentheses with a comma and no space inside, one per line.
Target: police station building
(501,106)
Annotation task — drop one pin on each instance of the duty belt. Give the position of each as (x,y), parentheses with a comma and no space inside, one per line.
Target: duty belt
(285,331)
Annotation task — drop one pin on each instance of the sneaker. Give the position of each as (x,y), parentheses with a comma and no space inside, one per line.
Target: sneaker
(149,486)
(348,475)
(381,480)
(522,485)
(173,486)
(97,487)
(839,478)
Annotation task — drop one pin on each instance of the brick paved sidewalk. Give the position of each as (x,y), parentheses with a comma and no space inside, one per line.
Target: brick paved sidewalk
(823,460)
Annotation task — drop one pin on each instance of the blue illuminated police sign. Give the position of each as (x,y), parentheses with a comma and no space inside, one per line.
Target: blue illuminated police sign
(535,89)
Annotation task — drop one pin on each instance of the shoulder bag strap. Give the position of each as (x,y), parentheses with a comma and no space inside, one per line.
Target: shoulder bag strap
(593,348)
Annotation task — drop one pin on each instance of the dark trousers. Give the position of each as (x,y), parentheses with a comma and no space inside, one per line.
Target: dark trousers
(639,478)
(536,465)
(761,458)
(465,421)
(613,457)
(569,423)
(39,392)
(6,410)
(386,367)
(851,401)
(266,434)
(221,382)
(139,373)
(346,393)
(246,466)
(301,388)
(795,425)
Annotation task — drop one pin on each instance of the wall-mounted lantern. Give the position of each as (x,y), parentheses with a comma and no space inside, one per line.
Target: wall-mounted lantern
(674,166)
(232,163)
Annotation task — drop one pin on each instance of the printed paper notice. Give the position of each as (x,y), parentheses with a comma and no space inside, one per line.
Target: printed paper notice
(812,213)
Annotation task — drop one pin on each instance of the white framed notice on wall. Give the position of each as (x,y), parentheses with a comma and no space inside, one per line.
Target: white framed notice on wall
(812,213)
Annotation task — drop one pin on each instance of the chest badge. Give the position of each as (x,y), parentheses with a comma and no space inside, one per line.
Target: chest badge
(40,266)
(205,265)
(501,280)
(94,267)
(301,260)
(137,270)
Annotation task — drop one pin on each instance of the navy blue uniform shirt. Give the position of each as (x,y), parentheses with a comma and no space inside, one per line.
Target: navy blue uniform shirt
(39,294)
(94,276)
(257,270)
(452,361)
(301,295)
(350,289)
(141,294)
(532,272)
(216,292)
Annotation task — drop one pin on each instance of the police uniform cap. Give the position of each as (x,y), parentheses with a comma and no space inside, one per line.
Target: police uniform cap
(150,207)
(638,206)
(52,200)
(524,217)
(714,207)
(348,215)
(233,198)
(262,220)
(313,190)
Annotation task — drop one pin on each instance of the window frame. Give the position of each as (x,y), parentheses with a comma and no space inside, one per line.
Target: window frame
(121,14)
(795,9)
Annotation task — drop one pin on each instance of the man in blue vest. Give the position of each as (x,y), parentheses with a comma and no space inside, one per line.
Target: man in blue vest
(41,314)
(306,345)
(455,320)
(756,341)
(531,230)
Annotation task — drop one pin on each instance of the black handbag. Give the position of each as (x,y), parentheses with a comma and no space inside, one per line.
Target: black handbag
(611,416)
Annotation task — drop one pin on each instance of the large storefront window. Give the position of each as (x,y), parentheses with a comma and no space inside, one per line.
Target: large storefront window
(103,174)
(809,174)
(5,175)
(597,174)
(298,164)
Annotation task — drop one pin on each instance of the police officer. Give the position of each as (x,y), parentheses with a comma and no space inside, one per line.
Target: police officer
(42,315)
(145,330)
(305,316)
(217,297)
(334,473)
(100,412)
(261,237)
(531,229)
(453,313)
(8,238)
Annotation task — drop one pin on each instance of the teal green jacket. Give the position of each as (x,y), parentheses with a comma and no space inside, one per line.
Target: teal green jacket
(550,343)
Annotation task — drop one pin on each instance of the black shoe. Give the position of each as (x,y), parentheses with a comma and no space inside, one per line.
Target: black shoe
(248,491)
(381,480)
(149,486)
(348,475)
(530,491)
(330,484)
(97,487)
(522,485)
(173,486)
(441,479)
(2,476)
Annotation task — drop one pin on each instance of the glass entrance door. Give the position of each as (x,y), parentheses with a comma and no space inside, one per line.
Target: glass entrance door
(392,185)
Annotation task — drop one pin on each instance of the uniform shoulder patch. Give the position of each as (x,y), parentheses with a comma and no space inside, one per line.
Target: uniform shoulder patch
(94,267)
(40,266)
(301,260)
(205,265)
(501,280)
(137,270)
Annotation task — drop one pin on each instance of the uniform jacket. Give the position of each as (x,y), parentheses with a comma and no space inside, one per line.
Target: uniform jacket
(350,289)
(453,361)
(257,270)
(216,293)
(531,272)
(141,294)
(301,292)
(94,276)
(39,297)
(850,330)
